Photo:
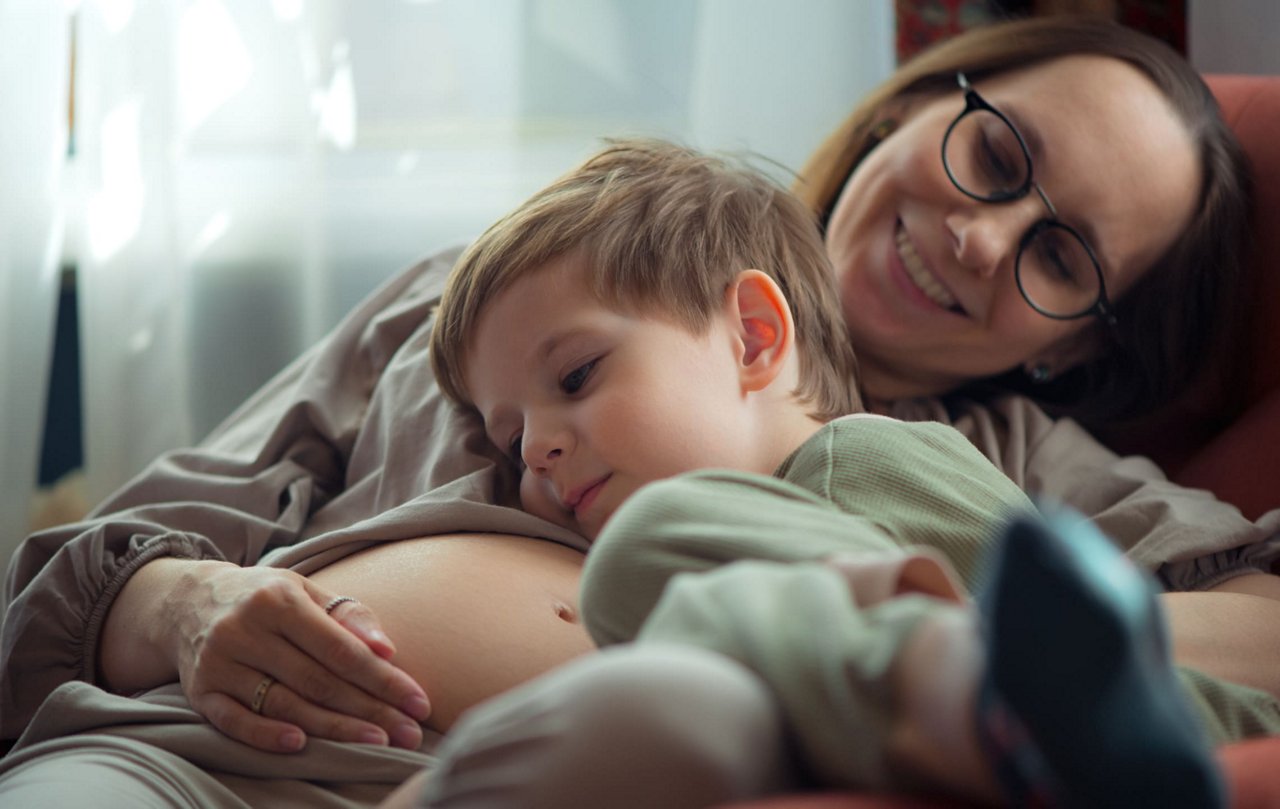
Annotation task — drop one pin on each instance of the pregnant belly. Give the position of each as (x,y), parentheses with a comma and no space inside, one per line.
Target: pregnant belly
(470,615)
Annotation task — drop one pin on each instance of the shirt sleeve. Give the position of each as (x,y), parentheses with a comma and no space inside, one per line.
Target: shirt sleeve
(1190,539)
(247,489)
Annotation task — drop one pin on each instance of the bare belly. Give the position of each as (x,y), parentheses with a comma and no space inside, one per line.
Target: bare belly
(470,615)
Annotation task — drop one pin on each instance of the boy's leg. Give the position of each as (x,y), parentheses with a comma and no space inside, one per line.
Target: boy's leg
(766,625)
(631,726)
(811,632)
(836,669)
(1230,712)
(1080,703)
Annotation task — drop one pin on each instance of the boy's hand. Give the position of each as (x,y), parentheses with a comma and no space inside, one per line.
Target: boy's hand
(878,577)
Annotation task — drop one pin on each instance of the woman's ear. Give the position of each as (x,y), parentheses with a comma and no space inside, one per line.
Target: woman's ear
(1068,352)
(763,327)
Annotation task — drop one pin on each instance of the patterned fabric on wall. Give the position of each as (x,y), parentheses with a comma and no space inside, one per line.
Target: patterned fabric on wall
(924,22)
(1162,19)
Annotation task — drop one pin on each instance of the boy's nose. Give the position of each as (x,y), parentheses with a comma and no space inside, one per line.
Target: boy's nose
(541,465)
(540,453)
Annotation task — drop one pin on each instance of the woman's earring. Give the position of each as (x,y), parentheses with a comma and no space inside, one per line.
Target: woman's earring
(1038,373)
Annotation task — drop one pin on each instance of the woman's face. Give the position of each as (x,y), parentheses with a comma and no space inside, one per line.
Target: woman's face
(926,274)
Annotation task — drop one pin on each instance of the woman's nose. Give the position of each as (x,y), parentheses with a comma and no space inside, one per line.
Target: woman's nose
(985,237)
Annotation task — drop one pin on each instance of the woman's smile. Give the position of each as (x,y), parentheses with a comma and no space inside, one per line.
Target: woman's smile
(920,276)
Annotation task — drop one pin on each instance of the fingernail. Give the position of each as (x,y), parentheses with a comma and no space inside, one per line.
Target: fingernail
(376,637)
(407,735)
(292,740)
(373,736)
(417,707)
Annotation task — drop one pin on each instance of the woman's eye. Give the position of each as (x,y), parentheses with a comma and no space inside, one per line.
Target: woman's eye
(1000,158)
(575,379)
(1064,264)
(516,451)
(998,162)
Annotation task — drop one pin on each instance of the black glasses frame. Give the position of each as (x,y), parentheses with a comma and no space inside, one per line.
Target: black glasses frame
(973,102)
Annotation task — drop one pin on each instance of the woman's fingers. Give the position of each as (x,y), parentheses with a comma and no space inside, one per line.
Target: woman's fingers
(347,662)
(328,705)
(356,618)
(283,720)
(230,716)
(328,680)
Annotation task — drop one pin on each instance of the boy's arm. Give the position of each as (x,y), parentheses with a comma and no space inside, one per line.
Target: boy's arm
(700,521)
(920,484)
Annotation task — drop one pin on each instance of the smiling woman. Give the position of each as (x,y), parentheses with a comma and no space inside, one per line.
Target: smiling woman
(938,286)
(1147,174)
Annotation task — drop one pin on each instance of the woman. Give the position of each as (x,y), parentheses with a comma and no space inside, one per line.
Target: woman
(948,292)
(351,449)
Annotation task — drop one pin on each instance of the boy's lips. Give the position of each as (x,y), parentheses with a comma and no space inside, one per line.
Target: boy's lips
(581,498)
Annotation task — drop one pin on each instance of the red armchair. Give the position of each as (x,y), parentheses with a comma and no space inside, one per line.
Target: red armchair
(1240,463)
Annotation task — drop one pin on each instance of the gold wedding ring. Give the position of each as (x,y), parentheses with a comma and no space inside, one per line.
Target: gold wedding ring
(260,694)
(335,601)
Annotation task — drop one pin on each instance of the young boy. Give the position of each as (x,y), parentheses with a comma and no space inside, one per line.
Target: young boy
(658,312)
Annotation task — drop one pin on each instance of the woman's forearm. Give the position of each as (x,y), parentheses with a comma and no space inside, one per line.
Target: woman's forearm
(1231,632)
(137,648)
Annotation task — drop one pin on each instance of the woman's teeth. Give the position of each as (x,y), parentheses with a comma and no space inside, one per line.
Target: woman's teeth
(921,276)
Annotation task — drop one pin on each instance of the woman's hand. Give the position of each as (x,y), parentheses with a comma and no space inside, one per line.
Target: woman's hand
(222,630)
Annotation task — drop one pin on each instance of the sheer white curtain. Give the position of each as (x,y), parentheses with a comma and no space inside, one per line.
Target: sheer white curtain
(34,63)
(253,167)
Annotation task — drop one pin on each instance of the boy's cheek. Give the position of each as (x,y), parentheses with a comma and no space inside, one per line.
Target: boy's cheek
(537,498)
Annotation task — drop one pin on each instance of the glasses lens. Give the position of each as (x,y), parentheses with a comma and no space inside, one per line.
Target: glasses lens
(985,158)
(1056,273)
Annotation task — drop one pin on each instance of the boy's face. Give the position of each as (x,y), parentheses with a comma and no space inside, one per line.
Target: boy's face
(593,403)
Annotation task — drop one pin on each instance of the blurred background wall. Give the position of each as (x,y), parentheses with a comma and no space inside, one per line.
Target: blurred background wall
(193,191)
(236,174)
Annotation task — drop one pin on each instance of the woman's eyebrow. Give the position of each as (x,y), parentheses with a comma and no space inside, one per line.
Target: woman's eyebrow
(1030,133)
(1035,145)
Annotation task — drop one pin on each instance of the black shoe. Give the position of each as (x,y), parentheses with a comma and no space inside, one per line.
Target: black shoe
(1080,704)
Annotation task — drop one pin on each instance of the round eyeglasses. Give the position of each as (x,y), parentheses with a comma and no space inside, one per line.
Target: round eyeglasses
(986,158)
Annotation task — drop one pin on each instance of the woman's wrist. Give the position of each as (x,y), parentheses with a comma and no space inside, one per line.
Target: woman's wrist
(138,647)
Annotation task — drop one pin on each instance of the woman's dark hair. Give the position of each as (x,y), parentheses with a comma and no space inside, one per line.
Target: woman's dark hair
(1176,324)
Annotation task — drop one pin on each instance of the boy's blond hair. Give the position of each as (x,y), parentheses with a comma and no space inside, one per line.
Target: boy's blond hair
(663,231)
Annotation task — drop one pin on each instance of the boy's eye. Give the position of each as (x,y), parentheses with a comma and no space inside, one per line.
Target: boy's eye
(575,379)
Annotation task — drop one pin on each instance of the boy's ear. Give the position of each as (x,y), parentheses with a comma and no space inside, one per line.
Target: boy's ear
(764,328)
